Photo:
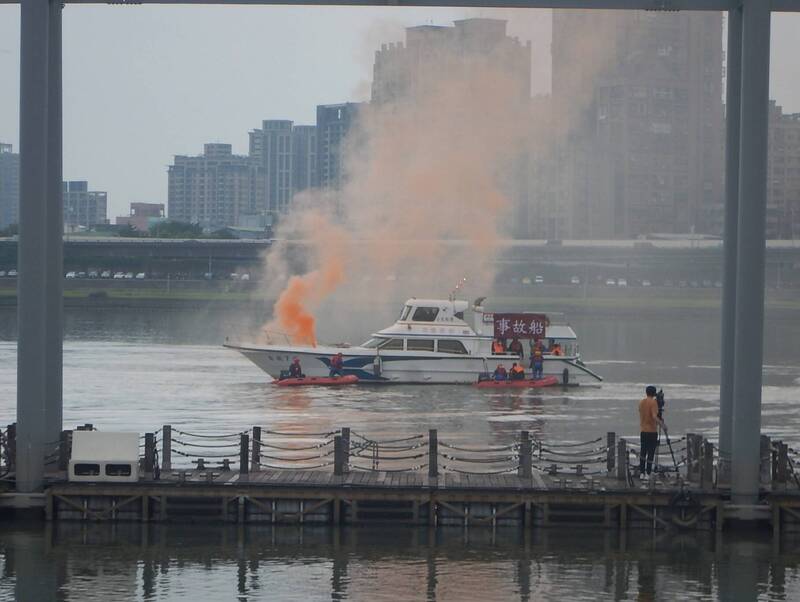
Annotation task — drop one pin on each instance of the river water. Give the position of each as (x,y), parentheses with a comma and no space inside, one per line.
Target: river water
(131,370)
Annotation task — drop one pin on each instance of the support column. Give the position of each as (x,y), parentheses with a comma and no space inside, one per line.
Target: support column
(32,258)
(54,273)
(732,123)
(749,345)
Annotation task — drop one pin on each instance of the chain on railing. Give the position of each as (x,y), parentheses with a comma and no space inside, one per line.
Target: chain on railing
(376,451)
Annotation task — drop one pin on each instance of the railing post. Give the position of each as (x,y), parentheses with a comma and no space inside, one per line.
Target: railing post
(707,465)
(622,460)
(525,469)
(244,453)
(166,447)
(64,449)
(11,447)
(149,452)
(338,456)
(346,448)
(255,461)
(692,457)
(433,453)
(766,460)
(611,444)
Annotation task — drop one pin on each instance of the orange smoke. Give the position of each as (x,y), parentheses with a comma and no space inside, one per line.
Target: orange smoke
(294,310)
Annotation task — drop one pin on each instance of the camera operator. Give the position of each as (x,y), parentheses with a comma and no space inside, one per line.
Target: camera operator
(649,421)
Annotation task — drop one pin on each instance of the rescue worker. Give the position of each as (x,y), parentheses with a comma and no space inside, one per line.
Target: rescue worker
(516,347)
(537,360)
(648,427)
(295,370)
(517,372)
(498,348)
(500,373)
(337,363)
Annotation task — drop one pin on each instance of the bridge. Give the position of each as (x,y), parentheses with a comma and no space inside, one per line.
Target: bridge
(39,394)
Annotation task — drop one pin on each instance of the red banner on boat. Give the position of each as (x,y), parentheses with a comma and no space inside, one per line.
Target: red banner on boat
(522,326)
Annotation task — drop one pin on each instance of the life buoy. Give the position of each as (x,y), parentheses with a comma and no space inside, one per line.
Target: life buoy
(565,376)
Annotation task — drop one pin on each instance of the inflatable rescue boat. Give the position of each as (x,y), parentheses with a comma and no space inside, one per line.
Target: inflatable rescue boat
(320,381)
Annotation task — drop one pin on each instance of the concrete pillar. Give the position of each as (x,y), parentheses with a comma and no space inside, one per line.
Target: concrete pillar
(749,346)
(732,123)
(32,260)
(54,265)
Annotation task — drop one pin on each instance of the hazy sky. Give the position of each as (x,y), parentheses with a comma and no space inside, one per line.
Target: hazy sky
(143,83)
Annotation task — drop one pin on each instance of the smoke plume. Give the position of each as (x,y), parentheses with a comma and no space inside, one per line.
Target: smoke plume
(434,168)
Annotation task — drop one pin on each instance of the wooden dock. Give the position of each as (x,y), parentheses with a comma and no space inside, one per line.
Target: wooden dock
(342,477)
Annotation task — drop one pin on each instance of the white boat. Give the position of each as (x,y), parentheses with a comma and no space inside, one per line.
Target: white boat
(431,342)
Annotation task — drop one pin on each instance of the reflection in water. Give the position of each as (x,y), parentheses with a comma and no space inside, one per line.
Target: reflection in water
(73,561)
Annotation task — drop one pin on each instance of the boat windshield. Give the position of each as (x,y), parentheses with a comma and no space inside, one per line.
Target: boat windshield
(404,313)
(372,343)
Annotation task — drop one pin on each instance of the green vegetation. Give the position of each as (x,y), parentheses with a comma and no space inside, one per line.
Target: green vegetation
(172,229)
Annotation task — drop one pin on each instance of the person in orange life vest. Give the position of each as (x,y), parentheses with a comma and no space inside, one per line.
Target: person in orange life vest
(537,360)
(498,348)
(555,349)
(516,347)
(336,365)
(500,373)
(517,372)
(295,371)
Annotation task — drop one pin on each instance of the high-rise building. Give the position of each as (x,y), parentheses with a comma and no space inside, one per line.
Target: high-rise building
(215,189)
(83,207)
(304,161)
(333,124)
(271,150)
(9,186)
(638,96)
(432,52)
(783,174)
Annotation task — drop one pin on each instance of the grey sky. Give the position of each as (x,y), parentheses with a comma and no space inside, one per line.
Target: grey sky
(143,83)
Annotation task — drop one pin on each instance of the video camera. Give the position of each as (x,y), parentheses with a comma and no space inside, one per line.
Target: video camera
(660,402)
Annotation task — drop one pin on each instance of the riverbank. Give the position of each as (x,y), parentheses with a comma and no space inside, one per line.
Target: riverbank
(574,300)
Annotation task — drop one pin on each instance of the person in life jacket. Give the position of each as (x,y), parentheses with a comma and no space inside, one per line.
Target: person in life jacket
(295,371)
(337,362)
(498,348)
(537,360)
(500,373)
(517,372)
(555,349)
(516,347)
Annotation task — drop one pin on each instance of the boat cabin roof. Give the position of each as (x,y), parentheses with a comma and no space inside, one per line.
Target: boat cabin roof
(439,311)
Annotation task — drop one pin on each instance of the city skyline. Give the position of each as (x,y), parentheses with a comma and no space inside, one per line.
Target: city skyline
(129,156)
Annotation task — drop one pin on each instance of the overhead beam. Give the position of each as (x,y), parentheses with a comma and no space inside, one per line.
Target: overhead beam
(654,5)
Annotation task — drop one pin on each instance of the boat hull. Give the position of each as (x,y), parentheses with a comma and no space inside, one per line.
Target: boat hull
(547,381)
(404,367)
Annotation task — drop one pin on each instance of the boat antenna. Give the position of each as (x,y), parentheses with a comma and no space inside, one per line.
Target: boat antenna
(458,287)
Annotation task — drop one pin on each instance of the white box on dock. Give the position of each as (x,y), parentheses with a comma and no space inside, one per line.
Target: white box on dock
(104,457)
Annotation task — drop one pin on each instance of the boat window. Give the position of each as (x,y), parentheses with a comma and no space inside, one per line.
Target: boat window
(425,314)
(405,312)
(392,344)
(459,315)
(420,345)
(372,343)
(451,346)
